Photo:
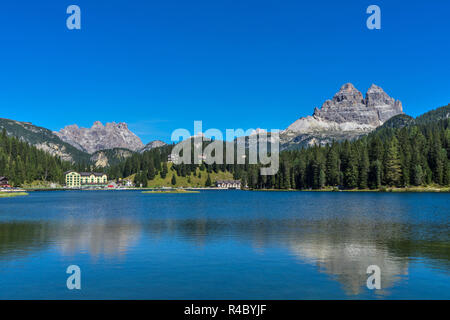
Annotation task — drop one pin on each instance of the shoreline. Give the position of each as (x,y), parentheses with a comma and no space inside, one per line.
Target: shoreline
(429,189)
(380,190)
(182,191)
(11,194)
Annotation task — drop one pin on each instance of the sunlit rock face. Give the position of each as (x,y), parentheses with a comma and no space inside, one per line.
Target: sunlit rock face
(348,115)
(100,137)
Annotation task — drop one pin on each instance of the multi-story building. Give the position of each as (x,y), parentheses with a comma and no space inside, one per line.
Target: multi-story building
(80,179)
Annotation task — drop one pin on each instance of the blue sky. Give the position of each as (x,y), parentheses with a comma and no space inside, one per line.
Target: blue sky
(160,65)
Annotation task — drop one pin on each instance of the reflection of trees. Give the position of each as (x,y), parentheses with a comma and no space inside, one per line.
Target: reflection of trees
(341,248)
(95,237)
(22,238)
(438,251)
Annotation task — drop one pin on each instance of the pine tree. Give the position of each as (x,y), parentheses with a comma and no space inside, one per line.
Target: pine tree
(332,166)
(322,178)
(174,180)
(151,171)
(351,168)
(393,166)
(364,169)
(418,175)
(208,181)
(375,174)
(164,170)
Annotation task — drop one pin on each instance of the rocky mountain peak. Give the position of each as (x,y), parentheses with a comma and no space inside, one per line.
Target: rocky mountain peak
(346,116)
(348,105)
(385,106)
(349,93)
(100,137)
(97,124)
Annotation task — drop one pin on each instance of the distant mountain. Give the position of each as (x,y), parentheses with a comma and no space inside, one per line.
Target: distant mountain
(100,137)
(348,115)
(110,157)
(43,139)
(152,145)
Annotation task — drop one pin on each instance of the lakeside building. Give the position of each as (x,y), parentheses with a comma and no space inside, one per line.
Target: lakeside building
(4,183)
(121,183)
(228,184)
(85,179)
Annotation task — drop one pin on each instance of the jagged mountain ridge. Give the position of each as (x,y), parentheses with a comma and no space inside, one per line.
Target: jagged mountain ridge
(100,137)
(348,115)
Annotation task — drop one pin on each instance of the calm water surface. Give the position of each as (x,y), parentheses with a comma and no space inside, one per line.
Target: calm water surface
(225,245)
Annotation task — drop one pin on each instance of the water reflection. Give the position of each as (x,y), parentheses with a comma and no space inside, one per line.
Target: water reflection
(98,237)
(338,237)
(341,250)
(95,237)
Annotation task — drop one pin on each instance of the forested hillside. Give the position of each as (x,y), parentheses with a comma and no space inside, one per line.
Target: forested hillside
(411,156)
(21,162)
(43,139)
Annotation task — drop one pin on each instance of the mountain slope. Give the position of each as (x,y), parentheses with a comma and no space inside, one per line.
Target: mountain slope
(347,116)
(403,120)
(434,115)
(153,144)
(110,157)
(43,139)
(398,121)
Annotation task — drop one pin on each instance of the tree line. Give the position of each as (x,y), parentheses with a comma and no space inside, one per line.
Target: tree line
(21,162)
(396,157)
(413,155)
(416,154)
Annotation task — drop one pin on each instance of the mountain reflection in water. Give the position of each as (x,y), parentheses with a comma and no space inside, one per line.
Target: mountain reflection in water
(341,239)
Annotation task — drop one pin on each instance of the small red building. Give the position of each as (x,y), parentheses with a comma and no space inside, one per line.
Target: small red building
(4,183)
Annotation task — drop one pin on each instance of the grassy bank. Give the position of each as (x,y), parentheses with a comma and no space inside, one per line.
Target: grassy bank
(171,191)
(12,194)
(191,181)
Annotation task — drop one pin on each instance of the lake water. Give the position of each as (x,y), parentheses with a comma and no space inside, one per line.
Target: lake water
(225,245)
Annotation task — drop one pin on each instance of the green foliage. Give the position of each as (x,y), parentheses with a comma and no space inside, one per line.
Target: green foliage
(22,163)
(392,164)
(208,181)
(33,135)
(438,114)
(174,180)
